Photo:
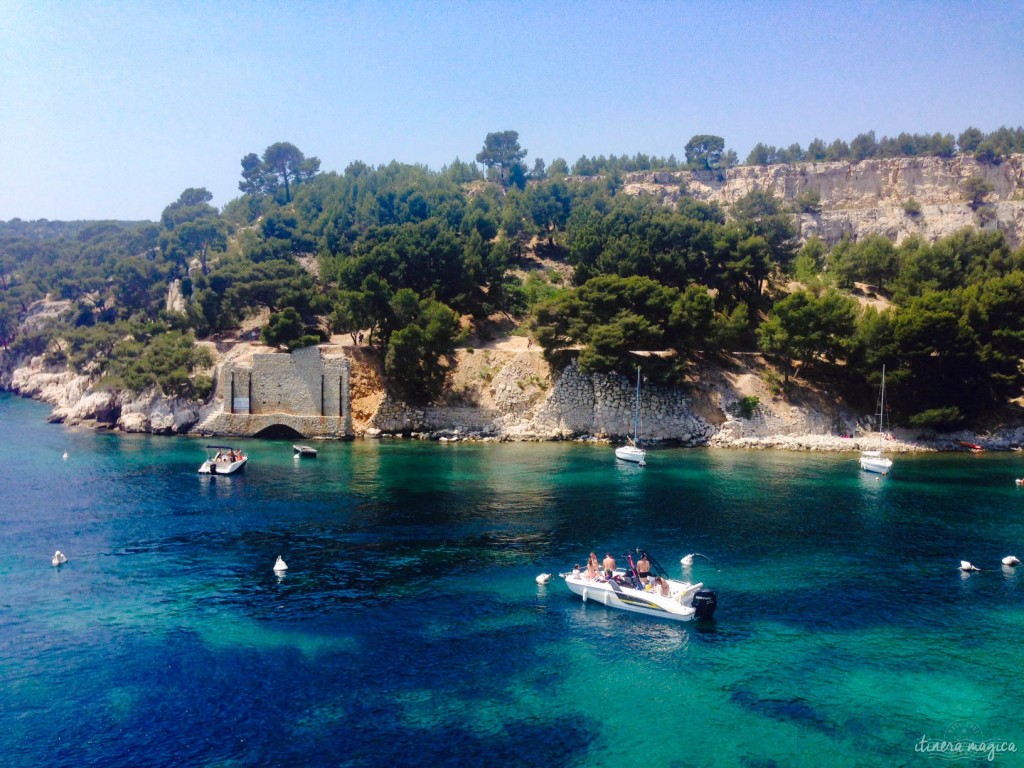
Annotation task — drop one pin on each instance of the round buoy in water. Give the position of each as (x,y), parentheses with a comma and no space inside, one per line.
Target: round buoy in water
(280,565)
(1011,561)
(544,578)
(59,558)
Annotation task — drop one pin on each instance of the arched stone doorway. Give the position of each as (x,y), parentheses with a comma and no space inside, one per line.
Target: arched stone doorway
(279,432)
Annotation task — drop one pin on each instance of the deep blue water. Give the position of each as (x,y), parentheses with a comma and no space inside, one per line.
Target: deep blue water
(409,629)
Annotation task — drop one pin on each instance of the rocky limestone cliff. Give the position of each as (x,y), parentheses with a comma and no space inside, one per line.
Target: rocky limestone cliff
(75,401)
(512,395)
(863,198)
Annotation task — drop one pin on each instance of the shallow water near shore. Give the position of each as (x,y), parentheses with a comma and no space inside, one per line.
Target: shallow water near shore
(409,629)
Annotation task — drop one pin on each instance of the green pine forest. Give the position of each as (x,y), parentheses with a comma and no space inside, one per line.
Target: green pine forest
(424,258)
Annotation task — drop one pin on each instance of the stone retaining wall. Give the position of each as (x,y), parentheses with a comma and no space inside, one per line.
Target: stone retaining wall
(306,390)
(603,405)
(573,405)
(244,425)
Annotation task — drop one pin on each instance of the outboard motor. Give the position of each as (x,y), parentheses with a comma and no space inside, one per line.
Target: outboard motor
(704,603)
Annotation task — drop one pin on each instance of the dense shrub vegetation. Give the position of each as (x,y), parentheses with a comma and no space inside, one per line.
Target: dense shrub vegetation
(416,258)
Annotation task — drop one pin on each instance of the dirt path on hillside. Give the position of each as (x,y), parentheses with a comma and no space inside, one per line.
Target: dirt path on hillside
(512,344)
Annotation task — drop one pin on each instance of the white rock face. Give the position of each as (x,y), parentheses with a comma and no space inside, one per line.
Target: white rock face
(92,406)
(175,300)
(150,411)
(59,387)
(74,402)
(527,403)
(44,313)
(863,198)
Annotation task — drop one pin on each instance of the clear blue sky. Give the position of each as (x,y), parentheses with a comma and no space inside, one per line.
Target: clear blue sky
(110,110)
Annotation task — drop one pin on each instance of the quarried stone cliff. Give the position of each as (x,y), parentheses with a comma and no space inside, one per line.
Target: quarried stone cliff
(514,395)
(869,197)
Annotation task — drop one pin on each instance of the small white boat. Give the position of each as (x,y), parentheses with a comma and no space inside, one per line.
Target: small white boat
(280,566)
(59,558)
(660,596)
(632,451)
(874,461)
(304,452)
(223,460)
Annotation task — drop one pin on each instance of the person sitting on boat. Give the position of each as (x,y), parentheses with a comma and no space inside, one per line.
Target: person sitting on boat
(661,586)
(643,568)
(609,565)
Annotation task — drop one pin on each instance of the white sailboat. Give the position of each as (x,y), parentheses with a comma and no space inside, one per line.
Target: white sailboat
(633,452)
(874,461)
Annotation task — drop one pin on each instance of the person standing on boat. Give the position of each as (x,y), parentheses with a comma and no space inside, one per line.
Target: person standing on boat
(609,565)
(643,568)
(592,563)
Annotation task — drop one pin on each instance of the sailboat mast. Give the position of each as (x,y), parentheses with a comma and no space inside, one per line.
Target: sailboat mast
(881,408)
(636,408)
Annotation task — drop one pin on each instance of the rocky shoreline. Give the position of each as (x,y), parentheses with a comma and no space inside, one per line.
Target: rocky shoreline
(75,401)
(571,407)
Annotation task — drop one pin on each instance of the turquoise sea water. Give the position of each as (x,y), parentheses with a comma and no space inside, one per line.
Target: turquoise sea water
(409,629)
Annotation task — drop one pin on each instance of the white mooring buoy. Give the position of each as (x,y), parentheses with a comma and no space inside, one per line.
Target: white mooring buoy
(280,565)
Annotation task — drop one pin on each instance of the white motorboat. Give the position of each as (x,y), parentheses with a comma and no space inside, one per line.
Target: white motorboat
(632,451)
(223,460)
(874,461)
(658,596)
(304,452)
